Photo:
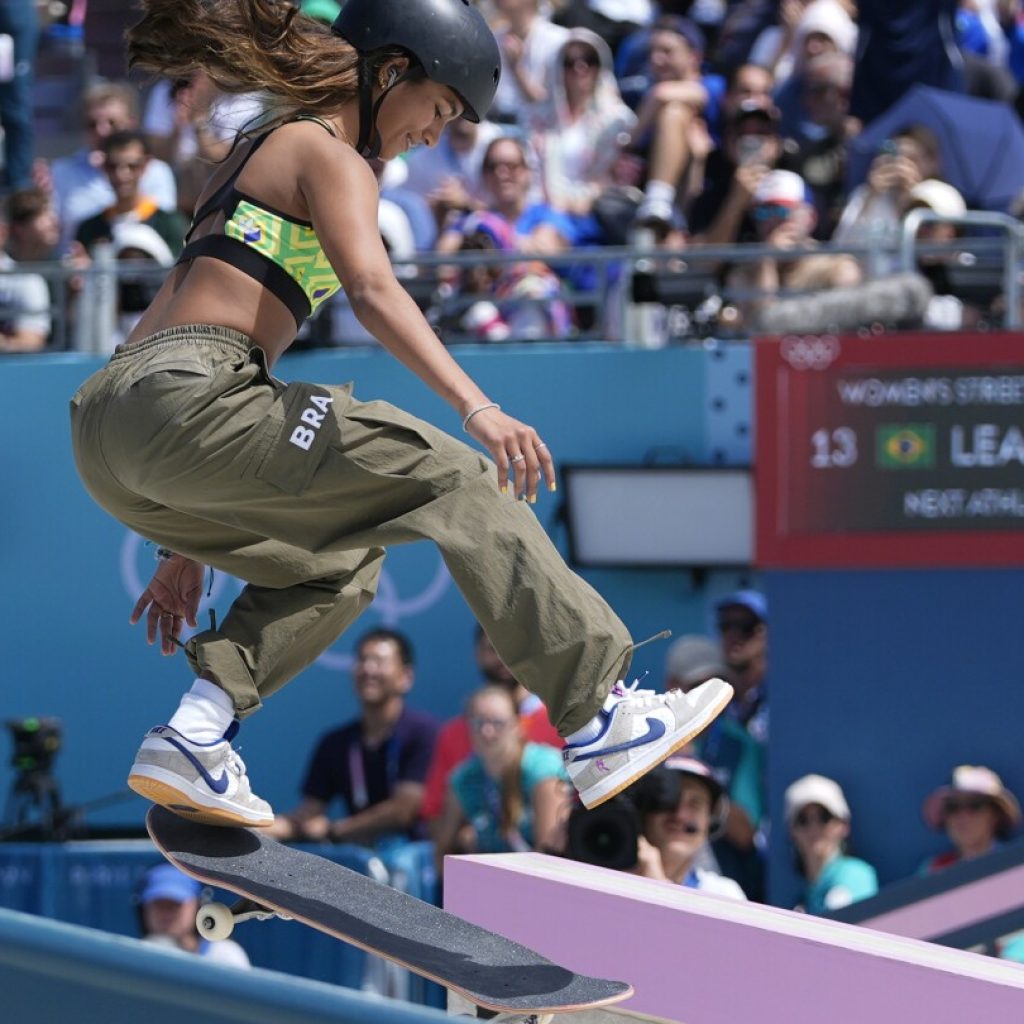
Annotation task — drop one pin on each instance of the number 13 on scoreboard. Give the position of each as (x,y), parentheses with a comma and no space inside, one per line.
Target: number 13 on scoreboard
(834,449)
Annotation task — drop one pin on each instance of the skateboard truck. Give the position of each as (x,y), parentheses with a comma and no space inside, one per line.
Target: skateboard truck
(216,921)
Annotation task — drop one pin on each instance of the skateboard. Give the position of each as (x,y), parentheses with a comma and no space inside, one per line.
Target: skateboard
(496,974)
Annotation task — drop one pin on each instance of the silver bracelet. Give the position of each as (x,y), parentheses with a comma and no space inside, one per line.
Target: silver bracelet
(489,405)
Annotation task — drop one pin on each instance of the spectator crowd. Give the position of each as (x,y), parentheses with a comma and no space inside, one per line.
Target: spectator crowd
(678,123)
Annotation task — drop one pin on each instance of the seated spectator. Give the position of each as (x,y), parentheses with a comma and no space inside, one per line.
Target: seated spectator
(818,817)
(81,188)
(125,158)
(374,764)
(448,175)
(946,311)
(736,760)
(681,805)
(817,149)
(875,209)
(514,301)
(538,228)
(454,743)
(975,810)
(747,84)
(167,903)
(35,238)
(672,100)
(136,245)
(34,227)
(824,27)
(751,147)
(509,795)
(528,42)
(784,217)
(579,130)
(25,301)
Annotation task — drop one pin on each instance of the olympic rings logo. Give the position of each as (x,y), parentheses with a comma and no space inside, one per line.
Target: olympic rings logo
(390,607)
(812,352)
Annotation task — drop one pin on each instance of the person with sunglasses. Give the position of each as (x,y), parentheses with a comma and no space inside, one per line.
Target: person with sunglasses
(126,155)
(975,810)
(508,795)
(579,131)
(818,818)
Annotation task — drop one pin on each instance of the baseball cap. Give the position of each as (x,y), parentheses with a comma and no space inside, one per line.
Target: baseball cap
(166,882)
(130,235)
(754,108)
(692,659)
(753,600)
(816,789)
(781,188)
(943,199)
(697,768)
(682,27)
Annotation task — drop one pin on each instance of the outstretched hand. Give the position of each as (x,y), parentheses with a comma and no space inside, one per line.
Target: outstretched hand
(172,598)
(517,448)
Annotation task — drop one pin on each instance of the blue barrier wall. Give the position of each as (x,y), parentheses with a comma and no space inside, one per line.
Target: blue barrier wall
(72,574)
(60,972)
(885,680)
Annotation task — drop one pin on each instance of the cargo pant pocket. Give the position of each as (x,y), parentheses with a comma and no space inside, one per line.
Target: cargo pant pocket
(301,426)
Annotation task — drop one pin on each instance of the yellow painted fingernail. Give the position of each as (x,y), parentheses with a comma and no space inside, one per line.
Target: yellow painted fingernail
(533,499)
(504,490)
(552,487)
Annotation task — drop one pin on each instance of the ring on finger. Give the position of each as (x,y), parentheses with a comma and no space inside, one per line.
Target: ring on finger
(517,458)
(537,447)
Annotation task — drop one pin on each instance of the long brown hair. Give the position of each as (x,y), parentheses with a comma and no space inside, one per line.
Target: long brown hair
(252,45)
(511,781)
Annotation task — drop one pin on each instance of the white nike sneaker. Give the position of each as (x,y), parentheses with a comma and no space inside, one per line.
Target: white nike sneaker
(200,781)
(640,729)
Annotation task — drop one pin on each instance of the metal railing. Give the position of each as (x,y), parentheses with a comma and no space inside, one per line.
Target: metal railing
(639,295)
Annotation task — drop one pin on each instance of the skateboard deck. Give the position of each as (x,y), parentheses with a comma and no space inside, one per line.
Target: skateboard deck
(489,970)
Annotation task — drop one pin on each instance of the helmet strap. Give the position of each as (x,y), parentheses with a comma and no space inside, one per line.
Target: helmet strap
(369,141)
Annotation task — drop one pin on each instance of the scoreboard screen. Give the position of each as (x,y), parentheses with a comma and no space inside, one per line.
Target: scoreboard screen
(903,450)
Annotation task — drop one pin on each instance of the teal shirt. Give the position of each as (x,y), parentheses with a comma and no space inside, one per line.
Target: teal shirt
(843,880)
(480,798)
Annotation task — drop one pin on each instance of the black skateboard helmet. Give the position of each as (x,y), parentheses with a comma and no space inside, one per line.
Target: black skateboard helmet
(449,38)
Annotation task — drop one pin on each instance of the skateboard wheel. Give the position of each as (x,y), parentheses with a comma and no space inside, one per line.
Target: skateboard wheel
(214,921)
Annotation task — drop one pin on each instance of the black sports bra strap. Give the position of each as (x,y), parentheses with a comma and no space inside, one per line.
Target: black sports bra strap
(326,125)
(222,197)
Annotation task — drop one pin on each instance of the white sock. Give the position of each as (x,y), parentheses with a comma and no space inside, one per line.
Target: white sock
(660,191)
(589,731)
(204,714)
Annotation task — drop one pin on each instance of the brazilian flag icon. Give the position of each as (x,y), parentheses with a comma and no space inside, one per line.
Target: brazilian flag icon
(905,446)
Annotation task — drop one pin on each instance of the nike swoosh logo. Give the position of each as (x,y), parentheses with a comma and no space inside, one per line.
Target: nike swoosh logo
(655,730)
(219,786)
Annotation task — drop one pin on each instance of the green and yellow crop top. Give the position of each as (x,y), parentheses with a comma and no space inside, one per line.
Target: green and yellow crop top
(283,254)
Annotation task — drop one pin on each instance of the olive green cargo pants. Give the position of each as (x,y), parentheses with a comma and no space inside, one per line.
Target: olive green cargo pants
(297,489)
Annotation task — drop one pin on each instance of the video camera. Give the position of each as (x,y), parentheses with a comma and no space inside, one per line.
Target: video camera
(37,741)
(609,835)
